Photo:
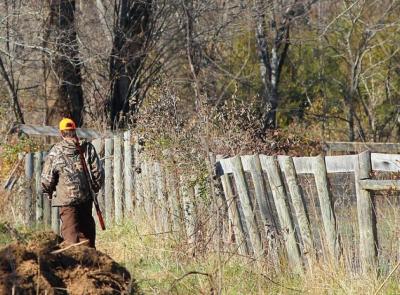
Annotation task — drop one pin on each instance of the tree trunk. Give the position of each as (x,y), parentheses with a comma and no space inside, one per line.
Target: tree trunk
(67,63)
(126,61)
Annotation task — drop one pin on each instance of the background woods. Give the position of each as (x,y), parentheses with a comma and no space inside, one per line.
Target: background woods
(331,65)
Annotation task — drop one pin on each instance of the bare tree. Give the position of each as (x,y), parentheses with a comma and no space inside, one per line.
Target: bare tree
(274,20)
(66,61)
(131,32)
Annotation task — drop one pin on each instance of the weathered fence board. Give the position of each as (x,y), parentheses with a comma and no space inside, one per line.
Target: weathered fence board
(366,214)
(46,205)
(187,193)
(289,173)
(128,179)
(108,183)
(38,191)
(325,202)
(246,205)
(28,189)
(118,179)
(269,165)
(253,165)
(233,214)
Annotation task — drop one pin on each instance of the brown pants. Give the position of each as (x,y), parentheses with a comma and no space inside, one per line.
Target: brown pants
(78,224)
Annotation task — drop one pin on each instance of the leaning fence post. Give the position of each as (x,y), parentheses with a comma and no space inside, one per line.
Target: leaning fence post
(128,181)
(243,193)
(28,189)
(108,189)
(233,213)
(325,202)
(290,175)
(38,191)
(269,165)
(366,214)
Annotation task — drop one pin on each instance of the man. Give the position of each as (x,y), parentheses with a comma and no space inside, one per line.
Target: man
(64,173)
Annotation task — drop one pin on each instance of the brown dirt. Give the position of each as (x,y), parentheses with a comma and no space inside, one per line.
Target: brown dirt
(30,268)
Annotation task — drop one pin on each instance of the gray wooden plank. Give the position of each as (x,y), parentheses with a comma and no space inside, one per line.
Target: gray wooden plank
(379,185)
(234,217)
(128,178)
(53,131)
(29,203)
(173,202)
(161,196)
(269,165)
(253,165)
(385,162)
(46,204)
(288,170)
(245,203)
(118,179)
(38,191)
(362,146)
(187,193)
(108,183)
(366,215)
(325,202)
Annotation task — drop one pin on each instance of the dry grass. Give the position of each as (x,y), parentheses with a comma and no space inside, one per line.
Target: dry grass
(162,265)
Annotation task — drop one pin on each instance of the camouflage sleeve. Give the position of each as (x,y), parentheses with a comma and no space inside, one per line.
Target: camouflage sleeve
(49,177)
(95,166)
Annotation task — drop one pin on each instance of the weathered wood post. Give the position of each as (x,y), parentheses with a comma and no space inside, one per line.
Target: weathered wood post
(173,202)
(289,172)
(146,186)
(253,165)
(233,213)
(325,202)
(366,214)
(128,177)
(188,211)
(243,193)
(108,185)
(38,191)
(29,212)
(137,173)
(118,178)
(269,165)
(46,205)
(161,196)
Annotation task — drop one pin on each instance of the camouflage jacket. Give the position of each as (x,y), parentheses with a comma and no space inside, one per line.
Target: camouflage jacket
(63,172)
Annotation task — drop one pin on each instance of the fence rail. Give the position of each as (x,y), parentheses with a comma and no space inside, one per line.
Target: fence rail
(262,197)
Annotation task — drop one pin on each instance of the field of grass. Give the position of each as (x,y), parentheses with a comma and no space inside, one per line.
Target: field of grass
(161,265)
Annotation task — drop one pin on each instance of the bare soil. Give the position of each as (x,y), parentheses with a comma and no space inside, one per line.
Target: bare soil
(29,268)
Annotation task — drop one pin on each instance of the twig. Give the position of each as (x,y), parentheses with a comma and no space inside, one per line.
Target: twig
(194,272)
(70,246)
(387,278)
(280,285)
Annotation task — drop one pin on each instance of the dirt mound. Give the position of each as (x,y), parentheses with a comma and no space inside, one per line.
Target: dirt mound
(30,268)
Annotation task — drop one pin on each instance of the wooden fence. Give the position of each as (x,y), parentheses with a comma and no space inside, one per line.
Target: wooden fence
(261,196)
(267,186)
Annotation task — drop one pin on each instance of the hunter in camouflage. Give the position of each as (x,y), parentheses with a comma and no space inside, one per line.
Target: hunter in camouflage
(63,173)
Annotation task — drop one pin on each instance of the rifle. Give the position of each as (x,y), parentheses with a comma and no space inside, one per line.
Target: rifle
(88,179)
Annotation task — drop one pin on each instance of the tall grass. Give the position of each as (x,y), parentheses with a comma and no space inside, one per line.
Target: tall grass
(162,265)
